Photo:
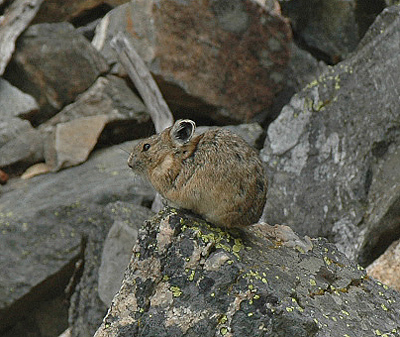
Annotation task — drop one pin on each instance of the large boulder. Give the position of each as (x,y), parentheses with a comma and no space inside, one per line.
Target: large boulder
(189,278)
(333,152)
(42,66)
(219,59)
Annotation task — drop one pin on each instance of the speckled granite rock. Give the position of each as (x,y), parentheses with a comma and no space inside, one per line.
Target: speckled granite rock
(188,278)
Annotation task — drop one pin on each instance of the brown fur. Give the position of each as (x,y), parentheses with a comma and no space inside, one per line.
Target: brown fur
(216,174)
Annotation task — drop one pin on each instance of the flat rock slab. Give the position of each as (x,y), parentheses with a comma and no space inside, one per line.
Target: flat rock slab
(225,57)
(189,278)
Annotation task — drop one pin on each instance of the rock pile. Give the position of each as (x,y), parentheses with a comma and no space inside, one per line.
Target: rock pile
(332,142)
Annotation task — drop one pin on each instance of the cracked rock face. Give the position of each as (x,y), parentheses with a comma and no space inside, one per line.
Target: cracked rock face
(188,278)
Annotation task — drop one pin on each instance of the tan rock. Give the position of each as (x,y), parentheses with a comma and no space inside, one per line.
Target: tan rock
(75,140)
(387,267)
(35,170)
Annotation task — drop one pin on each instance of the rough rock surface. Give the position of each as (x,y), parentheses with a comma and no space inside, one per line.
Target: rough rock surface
(117,250)
(10,128)
(43,221)
(25,149)
(223,58)
(302,69)
(333,152)
(331,29)
(101,281)
(110,96)
(189,278)
(19,141)
(386,268)
(42,67)
(14,102)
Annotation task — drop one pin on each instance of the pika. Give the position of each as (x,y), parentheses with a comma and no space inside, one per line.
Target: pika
(215,174)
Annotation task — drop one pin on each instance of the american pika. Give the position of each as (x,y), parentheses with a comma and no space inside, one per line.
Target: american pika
(216,174)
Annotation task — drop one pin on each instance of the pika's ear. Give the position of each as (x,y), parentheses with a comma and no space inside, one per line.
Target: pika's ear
(182,131)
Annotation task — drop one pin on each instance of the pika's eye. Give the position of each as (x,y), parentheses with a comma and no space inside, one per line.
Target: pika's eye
(146,147)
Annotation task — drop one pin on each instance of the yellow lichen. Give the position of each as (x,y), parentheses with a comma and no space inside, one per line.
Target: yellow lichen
(223,331)
(176,291)
(191,276)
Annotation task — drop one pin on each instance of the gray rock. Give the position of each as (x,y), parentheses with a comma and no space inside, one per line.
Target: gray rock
(42,66)
(20,143)
(103,179)
(332,152)
(15,103)
(45,224)
(24,150)
(11,128)
(382,22)
(331,29)
(100,281)
(391,2)
(189,278)
(38,249)
(229,72)
(302,69)
(252,133)
(117,250)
